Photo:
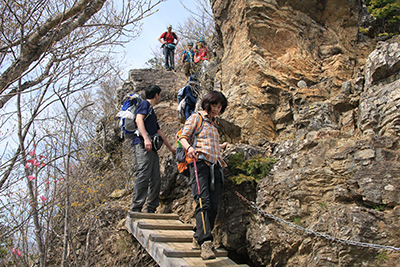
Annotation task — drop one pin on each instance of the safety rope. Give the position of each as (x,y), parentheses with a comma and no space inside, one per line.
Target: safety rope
(318,234)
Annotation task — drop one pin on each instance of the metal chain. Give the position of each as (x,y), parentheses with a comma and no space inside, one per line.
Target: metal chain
(318,234)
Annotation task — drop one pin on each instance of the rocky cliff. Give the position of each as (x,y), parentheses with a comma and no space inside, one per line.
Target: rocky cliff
(279,55)
(307,89)
(324,99)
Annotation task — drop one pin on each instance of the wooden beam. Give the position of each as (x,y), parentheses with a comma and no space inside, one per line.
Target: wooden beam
(165,238)
(154,216)
(172,253)
(158,226)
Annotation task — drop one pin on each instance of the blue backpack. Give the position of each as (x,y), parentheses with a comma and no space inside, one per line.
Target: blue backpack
(188,56)
(127,115)
(181,94)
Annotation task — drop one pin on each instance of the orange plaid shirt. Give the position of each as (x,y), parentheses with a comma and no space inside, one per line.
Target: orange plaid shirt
(207,140)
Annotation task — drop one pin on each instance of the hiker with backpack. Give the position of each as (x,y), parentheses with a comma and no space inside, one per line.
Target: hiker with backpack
(147,140)
(206,174)
(190,96)
(168,46)
(187,60)
(201,52)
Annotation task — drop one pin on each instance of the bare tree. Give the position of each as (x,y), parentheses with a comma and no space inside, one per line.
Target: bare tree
(157,62)
(71,123)
(43,41)
(37,35)
(51,53)
(200,24)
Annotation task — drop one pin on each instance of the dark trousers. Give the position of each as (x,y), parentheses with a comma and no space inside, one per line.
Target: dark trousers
(209,198)
(188,110)
(169,57)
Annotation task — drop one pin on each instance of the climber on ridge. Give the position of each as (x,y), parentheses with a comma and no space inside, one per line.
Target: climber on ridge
(201,52)
(168,46)
(187,60)
(190,94)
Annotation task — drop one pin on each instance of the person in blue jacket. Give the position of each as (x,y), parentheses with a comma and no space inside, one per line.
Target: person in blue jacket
(191,94)
(187,60)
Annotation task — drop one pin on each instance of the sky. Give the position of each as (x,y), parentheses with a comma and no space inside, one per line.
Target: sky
(139,50)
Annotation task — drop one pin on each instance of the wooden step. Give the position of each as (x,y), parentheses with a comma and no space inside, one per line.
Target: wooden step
(168,238)
(169,241)
(231,265)
(158,226)
(153,216)
(173,253)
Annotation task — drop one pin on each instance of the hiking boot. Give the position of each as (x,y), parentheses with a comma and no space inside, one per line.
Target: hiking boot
(195,244)
(136,209)
(207,252)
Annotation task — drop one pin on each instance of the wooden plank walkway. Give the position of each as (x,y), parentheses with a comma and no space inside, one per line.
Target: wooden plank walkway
(169,241)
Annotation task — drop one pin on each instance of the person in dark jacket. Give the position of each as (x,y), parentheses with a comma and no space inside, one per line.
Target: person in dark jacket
(191,94)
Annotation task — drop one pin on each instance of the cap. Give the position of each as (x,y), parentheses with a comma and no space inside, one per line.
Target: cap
(193,79)
(201,40)
(169,26)
(190,43)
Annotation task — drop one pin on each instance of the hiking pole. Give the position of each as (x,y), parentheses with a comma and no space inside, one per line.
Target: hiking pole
(198,190)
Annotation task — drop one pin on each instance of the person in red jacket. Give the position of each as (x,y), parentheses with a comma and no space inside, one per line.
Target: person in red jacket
(168,45)
(201,52)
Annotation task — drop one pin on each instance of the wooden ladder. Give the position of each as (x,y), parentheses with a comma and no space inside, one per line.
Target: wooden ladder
(169,241)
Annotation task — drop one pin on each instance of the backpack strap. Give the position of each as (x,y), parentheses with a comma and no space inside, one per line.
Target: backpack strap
(199,128)
(173,35)
(149,112)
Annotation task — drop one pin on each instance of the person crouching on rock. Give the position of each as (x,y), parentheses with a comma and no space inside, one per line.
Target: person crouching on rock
(208,160)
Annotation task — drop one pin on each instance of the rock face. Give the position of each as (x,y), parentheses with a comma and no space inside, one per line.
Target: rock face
(301,80)
(347,188)
(304,87)
(269,48)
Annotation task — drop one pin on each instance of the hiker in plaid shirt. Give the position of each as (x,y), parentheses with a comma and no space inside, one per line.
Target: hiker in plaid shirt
(207,153)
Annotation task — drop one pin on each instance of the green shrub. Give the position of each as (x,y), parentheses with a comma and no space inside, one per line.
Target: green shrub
(251,170)
(297,221)
(363,30)
(381,256)
(323,205)
(387,14)
(379,207)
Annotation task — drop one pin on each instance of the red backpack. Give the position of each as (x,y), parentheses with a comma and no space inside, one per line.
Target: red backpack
(182,160)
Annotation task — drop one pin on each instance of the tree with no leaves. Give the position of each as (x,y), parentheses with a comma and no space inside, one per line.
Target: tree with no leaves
(50,53)
(39,35)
